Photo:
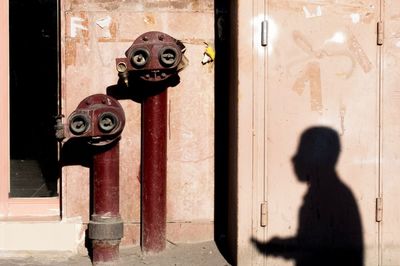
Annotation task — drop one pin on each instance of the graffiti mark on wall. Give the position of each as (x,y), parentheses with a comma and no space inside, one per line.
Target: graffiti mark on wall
(338,37)
(104,24)
(310,76)
(311,79)
(359,54)
(76,26)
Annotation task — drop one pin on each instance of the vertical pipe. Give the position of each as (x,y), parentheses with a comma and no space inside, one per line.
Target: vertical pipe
(154,166)
(106,222)
(106,180)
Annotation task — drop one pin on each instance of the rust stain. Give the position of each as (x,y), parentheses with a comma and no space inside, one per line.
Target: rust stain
(70,52)
(195,4)
(311,78)
(149,19)
(113,30)
(85,23)
(111,6)
(359,54)
(177,4)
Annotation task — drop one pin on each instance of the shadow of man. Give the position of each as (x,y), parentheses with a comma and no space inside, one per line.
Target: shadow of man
(330,230)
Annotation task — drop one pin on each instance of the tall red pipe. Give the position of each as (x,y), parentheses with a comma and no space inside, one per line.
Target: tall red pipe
(154,59)
(154,168)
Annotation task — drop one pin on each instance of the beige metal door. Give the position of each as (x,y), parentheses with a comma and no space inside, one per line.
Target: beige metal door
(322,111)
(390,163)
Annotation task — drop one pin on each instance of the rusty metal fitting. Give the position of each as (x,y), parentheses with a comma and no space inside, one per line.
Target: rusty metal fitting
(139,57)
(153,56)
(106,228)
(59,128)
(99,118)
(79,123)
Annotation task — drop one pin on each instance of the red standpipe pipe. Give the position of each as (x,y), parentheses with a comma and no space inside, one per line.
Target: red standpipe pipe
(154,168)
(154,57)
(106,227)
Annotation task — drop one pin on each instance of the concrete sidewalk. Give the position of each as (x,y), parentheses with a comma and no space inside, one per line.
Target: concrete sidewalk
(205,254)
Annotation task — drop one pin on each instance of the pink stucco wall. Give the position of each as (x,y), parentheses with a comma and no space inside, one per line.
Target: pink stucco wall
(89,49)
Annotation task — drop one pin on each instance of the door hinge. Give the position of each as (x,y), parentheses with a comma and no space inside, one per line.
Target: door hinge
(264,33)
(379,209)
(380,31)
(264,214)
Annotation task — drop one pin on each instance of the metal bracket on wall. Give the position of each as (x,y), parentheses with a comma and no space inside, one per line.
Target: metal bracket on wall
(380,33)
(264,214)
(264,33)
(379,209)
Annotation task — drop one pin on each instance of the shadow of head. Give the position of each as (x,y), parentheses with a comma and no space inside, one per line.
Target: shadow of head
(317,153)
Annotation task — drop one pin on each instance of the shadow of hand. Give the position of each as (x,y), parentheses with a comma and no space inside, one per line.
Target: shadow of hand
(276,247)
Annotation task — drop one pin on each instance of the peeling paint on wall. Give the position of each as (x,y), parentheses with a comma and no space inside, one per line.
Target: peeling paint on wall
(355,18)
(149,19)
(312,13)
(337,37)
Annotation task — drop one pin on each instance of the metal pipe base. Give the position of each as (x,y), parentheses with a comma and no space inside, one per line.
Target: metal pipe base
(105,252)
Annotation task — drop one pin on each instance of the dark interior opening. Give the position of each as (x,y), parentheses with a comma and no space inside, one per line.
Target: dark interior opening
(34,64)
(223,149)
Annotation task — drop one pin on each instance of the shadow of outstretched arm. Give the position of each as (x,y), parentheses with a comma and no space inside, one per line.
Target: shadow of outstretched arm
(277,247)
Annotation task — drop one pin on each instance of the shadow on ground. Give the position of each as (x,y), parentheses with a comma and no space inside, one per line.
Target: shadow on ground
(201,254)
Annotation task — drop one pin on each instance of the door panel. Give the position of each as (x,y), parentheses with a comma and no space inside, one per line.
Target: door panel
(391,135)
(322,81)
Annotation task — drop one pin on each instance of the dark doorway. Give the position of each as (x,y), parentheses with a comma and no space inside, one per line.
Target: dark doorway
(224,97)
(34,64)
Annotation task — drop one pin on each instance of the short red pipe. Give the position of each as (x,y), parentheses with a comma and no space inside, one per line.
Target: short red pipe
(154,168)
(106,219)
(106,180)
